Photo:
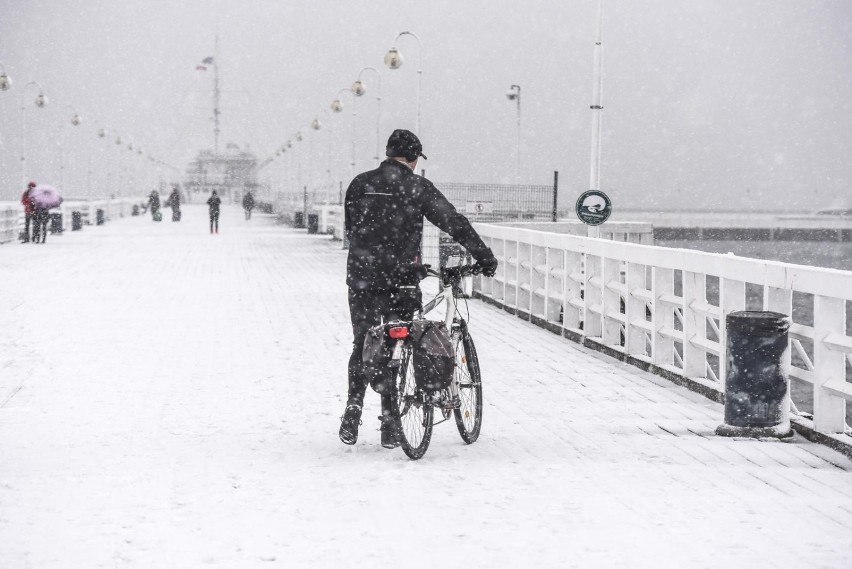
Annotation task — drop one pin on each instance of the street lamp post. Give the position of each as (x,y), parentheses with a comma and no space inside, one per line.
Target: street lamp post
(76,119)
(317,125)
(298,136)
(597,107)
(102,133)
(40,102)
(514,94)
(358,89)
(394,60)
(337,107)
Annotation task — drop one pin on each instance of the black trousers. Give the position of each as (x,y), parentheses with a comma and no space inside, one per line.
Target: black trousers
(366,309)
(28,217)
(40,219)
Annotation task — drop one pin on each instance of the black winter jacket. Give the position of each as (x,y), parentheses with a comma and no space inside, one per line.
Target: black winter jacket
(384,213)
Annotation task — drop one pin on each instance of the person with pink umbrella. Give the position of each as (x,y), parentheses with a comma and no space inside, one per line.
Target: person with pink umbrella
(28,210)
(43,198)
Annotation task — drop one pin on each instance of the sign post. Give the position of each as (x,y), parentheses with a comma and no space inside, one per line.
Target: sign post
(593,208)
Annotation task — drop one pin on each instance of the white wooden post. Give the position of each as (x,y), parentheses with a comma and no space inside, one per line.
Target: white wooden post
(538,282)
(663,316)
(634,337)
(554,284)
(524,303)
(829,365)
(732,297)
(781,300)
(694,325)
(499,289)
(611,302)
(592,297)
(573,288)
(511,250)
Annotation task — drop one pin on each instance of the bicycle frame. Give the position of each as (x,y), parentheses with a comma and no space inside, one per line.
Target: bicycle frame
(462,397)
(447,295)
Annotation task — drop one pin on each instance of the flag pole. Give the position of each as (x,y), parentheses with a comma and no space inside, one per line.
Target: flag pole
(216,97)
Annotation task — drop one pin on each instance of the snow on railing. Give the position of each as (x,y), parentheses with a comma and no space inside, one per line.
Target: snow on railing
(9,213)
(664,309)
(12,214)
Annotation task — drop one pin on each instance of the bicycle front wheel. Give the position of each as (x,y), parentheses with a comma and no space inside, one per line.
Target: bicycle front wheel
(469,381)
(416,417)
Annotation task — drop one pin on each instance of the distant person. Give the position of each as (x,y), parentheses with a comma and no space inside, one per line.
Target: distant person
(248,204)
(40,217)
(154,205)
(29,209)
(213,203)
(173,201)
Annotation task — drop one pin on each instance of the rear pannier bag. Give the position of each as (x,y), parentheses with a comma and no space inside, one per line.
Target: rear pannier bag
(434,357)
(375,356)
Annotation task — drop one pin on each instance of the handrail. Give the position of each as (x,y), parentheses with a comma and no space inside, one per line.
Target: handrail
(625,298)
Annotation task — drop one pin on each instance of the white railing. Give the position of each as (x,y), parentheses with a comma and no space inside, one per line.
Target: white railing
(650,305)
(9,213)
(12,214)
(330,220)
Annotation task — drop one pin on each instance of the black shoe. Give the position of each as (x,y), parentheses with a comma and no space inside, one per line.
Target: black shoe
(390,432)
(349,423)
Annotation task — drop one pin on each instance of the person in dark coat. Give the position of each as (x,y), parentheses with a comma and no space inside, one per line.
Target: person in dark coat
(29,209)
(154,203)
(248,204)
(383,220)
(40,217)
(213,204)
(173,201)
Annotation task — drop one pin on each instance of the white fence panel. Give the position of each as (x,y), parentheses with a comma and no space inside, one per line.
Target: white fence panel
(649,305)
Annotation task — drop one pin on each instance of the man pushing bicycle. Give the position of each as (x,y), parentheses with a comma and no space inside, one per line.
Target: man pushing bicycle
(384,211)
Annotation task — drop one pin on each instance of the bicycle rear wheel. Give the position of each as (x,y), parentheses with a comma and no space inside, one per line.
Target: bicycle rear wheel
(469,413)
(416,417)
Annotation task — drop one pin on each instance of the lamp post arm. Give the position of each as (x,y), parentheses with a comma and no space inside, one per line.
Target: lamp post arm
(419,71)
(354,116)
(378,109)
(24,130)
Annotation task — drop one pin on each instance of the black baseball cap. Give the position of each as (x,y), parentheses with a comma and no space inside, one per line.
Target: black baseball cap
(404,143)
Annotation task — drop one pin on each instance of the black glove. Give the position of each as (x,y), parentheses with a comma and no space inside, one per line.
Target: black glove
(488,263)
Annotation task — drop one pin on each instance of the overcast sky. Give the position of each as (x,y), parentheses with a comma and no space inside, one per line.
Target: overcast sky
(717,104)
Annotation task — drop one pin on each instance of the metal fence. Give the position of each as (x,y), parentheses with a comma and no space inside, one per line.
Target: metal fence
(501,202)
(489,203)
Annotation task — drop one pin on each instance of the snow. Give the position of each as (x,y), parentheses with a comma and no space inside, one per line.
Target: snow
(171,398)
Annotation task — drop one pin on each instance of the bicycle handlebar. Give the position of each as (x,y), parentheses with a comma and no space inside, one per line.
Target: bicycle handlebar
(451,275)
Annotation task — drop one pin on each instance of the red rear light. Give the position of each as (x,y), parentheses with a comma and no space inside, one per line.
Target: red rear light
(398,332)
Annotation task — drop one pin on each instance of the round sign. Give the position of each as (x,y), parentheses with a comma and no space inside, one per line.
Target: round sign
(593,207)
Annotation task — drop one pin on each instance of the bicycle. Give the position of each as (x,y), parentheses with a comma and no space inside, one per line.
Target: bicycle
(463,398)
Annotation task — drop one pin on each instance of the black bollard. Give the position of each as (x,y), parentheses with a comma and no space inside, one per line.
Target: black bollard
(757,383)
(76,221)
(56,223)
